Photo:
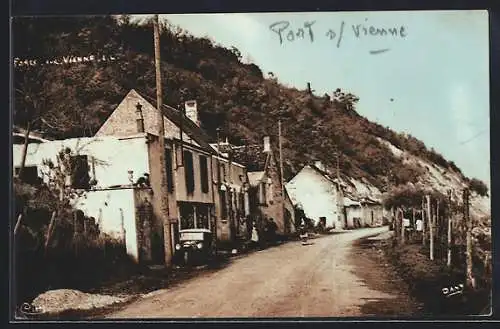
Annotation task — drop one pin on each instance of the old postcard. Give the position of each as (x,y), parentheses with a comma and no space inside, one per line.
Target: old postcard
(257,165)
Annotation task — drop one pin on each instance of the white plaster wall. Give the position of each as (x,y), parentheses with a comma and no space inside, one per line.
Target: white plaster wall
(315,194)
(113,157)
(112,203)
(353,212)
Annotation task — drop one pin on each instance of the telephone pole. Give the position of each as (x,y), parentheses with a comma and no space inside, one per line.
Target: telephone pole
(281,159)
(163,193)
(340,202)
(281,173)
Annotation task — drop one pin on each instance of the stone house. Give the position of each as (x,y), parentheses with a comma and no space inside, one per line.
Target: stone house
(113,200)
(267,199)
(207,183)
(201,183)
(353,212)
(372,211)
(318,195)
(233,206)
(188,162)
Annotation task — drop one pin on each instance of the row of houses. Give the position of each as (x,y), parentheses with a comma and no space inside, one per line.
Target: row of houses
(215,186)
(208,185)
(340,202)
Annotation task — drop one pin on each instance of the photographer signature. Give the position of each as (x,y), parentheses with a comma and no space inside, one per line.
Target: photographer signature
(453,290)
(30,310)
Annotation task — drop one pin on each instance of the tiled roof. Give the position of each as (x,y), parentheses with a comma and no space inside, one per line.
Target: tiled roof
(252,156)
(188,126)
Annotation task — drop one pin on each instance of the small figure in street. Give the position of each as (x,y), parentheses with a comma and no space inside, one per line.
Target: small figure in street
(272,228)
(262,232)
(303,231)
(250,225)
(255,234)
(303,234)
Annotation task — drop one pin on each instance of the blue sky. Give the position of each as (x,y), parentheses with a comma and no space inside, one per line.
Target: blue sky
(437,74)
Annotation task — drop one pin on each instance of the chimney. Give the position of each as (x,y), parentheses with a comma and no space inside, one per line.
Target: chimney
(139,118)
(267,144)
(192,111)
(318,164)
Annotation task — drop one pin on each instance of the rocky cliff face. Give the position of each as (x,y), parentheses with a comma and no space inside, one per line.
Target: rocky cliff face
(442,180)
(434,177)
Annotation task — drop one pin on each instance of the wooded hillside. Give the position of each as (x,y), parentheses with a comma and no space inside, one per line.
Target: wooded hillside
(70,100)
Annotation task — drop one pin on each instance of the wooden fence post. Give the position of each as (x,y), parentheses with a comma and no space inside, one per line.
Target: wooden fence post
(414,224)
(402,226)
(49,231)
(470,276)
(450,216)
(431,231)
(437,225)
(75,233)
(397,229)
(18,223)
(423,220)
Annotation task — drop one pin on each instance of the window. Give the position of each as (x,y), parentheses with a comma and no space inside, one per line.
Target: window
(30,175)
(241,202)
(223,204)
(201,214)
(186,212)
(80,178)
(193,215)
(204,173)
(168,168)
(223,166)
(263,195)
(189,171)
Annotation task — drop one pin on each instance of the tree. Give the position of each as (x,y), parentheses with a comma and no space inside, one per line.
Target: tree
(349,100)
(30,102)
(478,186)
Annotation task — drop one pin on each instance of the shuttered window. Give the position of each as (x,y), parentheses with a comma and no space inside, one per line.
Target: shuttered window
(189,171)
(80,177)
(204,173)
(168,168)
(223,201)
(263,194)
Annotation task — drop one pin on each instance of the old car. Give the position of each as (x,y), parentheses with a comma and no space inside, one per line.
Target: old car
(195,246)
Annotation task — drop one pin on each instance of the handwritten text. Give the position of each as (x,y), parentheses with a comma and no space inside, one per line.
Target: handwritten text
(307,31)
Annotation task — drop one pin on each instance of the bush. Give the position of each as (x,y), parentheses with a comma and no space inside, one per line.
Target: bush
(69,261)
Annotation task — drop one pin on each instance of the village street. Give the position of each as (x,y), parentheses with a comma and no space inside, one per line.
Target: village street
(324,278)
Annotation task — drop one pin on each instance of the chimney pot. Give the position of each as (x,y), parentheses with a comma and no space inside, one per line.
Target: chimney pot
(192,111)
(267,144)
(318,164)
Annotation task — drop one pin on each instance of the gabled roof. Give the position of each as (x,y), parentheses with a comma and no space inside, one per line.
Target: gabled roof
(18,135)
(188,126)
(368,200)
(348,202)
(344,180)
(251,156)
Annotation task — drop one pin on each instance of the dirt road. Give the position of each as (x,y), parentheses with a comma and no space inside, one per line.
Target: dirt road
(321,279)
